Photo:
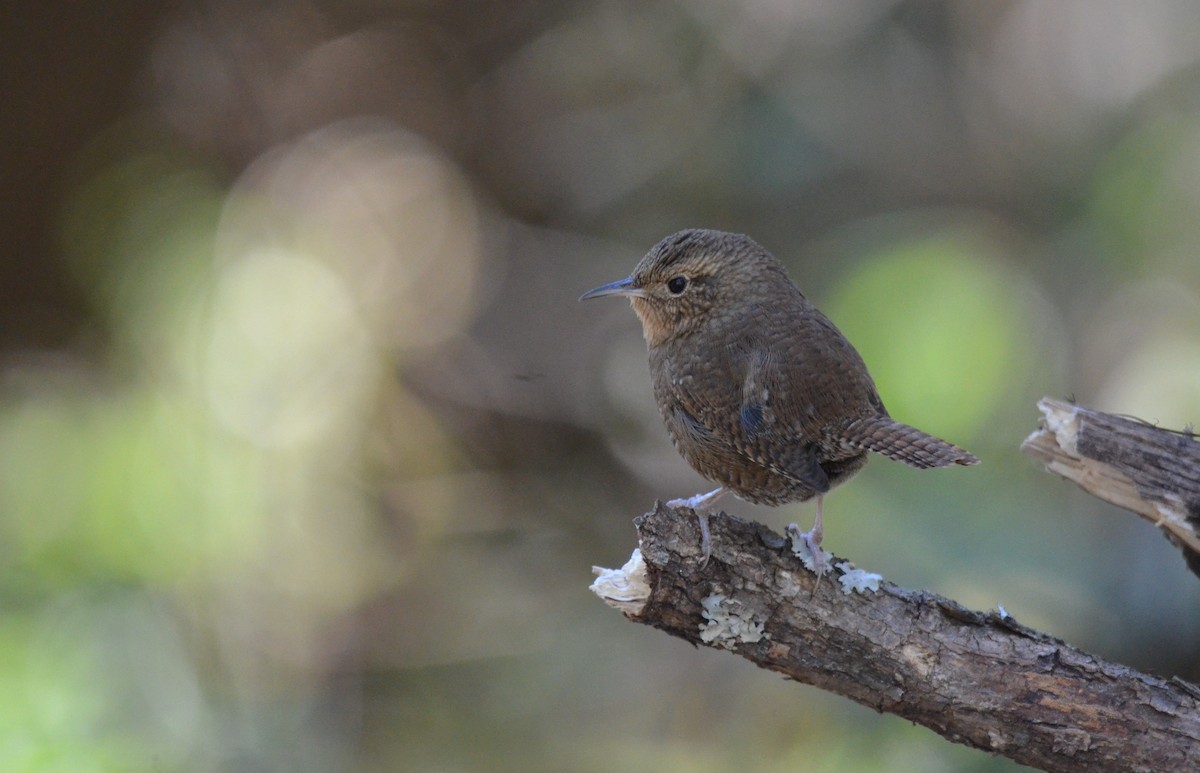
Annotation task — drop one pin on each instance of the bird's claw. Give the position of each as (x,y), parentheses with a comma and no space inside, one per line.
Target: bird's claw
(807,547)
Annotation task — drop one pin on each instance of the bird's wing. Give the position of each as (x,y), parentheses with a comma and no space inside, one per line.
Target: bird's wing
(825,379)
(737,400)
(767,430)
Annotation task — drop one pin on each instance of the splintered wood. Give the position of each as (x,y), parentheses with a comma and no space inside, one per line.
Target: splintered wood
(1150,471)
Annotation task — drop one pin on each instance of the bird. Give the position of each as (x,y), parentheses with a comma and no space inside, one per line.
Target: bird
(760,392)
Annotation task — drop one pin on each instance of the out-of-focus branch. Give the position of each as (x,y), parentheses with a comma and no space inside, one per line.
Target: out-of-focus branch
(1151,471)
(979,679)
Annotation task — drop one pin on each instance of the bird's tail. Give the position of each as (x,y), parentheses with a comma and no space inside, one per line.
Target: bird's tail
(884,435)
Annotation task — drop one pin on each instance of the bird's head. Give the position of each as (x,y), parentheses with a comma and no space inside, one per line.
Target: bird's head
(693,277)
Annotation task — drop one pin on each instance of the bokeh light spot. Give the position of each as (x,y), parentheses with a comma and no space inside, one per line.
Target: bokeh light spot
(940,331)
(289,355)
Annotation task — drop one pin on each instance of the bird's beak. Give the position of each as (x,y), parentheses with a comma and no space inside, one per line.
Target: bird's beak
(620,287)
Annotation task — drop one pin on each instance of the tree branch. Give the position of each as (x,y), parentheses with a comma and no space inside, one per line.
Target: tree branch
(979,679)
(1151,471)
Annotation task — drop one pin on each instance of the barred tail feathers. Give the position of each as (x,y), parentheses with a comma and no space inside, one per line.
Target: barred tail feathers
(884,435)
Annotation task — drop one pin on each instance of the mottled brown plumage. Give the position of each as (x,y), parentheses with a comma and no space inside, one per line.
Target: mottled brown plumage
(760,392)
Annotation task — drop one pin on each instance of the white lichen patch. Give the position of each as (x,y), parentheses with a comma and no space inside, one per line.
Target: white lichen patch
(728,622)
(625,588)
(857,580)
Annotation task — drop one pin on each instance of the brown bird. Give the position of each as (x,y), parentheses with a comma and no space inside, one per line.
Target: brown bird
(759,391)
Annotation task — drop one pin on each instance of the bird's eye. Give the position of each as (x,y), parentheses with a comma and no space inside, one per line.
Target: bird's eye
(677,284)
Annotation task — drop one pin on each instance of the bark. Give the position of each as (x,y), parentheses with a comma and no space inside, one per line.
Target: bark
(976,678)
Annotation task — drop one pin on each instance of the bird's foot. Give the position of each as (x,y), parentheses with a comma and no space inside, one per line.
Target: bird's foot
(699,501)
(806,545)
(699,504)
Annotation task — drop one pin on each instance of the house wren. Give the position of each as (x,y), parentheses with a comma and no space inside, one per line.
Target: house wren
(760,392)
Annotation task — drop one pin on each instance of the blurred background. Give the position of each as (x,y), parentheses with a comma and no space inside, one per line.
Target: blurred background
(307,448)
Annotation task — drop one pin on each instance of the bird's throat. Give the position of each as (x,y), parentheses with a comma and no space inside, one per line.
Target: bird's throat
(656,329)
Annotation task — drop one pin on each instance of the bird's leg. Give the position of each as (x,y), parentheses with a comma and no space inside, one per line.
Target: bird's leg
(700,500)
(813,536)
(700,505)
